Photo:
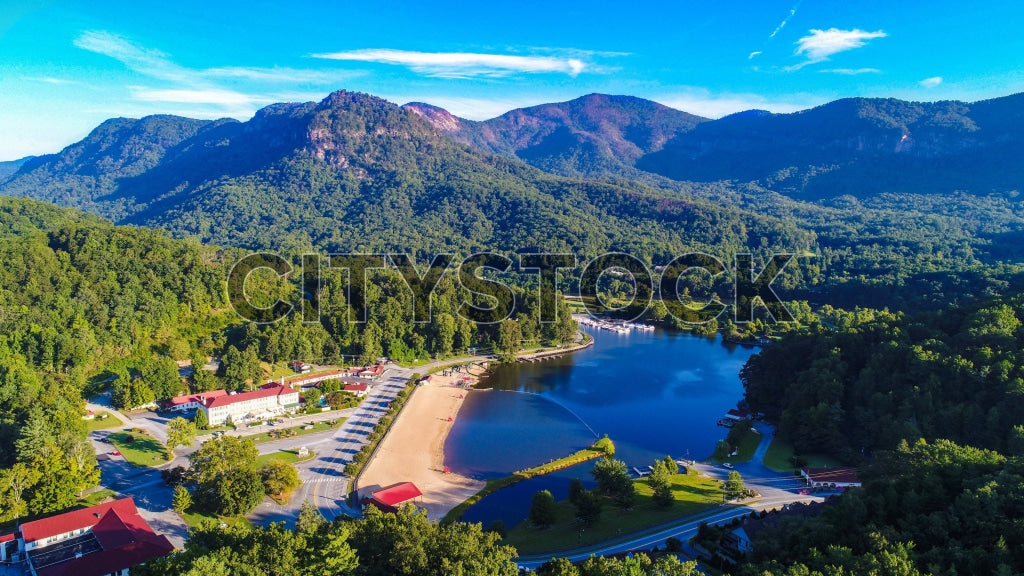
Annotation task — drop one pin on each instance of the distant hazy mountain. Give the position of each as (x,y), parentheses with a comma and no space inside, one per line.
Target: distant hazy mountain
(357,172)
(9,167)
(855,146)
(592,136)
(858,146)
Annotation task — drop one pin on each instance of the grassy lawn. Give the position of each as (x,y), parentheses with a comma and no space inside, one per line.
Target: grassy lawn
(195,519)
(97,497)
(287,456)
(295,431)
(143,451)
(748,445)
(495,484)
(693,493)
(780,451)
(102,421)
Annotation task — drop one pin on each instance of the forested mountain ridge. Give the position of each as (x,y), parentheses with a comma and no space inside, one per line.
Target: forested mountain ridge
(594,135)
(354,172)
(858,146)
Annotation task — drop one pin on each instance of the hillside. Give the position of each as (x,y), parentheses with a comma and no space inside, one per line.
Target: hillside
(354,172)
(595,135)
(856,146)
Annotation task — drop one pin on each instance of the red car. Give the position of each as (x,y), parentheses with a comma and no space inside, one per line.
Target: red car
(115,453)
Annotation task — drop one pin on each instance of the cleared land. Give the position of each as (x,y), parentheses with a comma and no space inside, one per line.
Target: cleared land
(143,450)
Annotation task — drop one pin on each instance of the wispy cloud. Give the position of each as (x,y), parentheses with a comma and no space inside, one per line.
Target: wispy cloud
(792,12)
(754,54)
(462,64)
(931,82)
(230,90)
(853,71)
(821,44)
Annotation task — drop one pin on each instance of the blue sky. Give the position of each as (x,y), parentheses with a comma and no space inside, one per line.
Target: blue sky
(65,66)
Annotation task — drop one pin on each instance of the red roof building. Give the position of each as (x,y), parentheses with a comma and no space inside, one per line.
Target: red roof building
(269,400)
(392,498)
(830,477)
(105,539)
(190,401)
(357,389)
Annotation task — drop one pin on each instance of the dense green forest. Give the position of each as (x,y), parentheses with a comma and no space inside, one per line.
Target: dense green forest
(77,294)
(931,404)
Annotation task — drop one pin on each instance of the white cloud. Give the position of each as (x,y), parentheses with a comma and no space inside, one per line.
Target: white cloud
(821,44)
(184,96)
(853,71)
(754,54)
(931,82)
(152,63)
(462,64)
(703,103)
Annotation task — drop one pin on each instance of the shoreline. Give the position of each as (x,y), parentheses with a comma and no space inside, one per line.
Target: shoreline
(413,448)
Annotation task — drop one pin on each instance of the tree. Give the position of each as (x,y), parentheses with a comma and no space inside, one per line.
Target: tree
(660,482)
(200,419)
(279,477)
(309,521)
(588,507)
(509,336)
(733,486)
(236,492)
(217,456)
(575,489)
(14,483)
(180,432)
(162,376)
(613,480)
(542,509)
(182,499)
(671,465)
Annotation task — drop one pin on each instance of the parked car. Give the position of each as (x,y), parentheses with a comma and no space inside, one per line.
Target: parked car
(115,453)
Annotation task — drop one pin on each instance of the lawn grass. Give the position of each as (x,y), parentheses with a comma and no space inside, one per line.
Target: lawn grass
(693,494)
(196,519)
(143,451)
(745,451)
(286,456)
(97,497)
(780,451)
(495,484)
(264,437)
(102,421)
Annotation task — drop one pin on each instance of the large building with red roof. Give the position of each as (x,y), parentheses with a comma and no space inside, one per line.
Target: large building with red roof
(268,401)
(193,401)
(106,539)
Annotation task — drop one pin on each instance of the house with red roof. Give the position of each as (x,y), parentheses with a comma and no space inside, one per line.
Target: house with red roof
(192,401)
(358,389)
(393,497)
(106,539)
(372,372)
(840,478)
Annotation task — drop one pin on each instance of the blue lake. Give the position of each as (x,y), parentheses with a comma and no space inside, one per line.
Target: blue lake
(653,393)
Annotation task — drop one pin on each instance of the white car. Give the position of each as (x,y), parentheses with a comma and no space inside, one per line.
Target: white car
(727,465)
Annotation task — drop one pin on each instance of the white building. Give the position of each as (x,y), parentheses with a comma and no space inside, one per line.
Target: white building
(270,400)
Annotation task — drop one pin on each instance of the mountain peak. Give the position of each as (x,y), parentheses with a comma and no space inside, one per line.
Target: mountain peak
(439,117)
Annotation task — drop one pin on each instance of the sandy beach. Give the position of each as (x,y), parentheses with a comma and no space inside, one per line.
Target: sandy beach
(413,450)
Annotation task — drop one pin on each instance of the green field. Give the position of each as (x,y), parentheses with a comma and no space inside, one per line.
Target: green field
(196,519)
(294,431)
(94,498)
(693,493)
(745,451)
(780,451)
(102,421)
(287,456)
(143,451)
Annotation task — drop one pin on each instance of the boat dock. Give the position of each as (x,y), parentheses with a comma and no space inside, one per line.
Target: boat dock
(618,327)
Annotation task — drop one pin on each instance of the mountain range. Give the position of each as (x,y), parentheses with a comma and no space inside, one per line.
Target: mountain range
(355,172)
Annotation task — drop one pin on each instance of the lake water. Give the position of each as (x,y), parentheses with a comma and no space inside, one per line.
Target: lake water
(653,393)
